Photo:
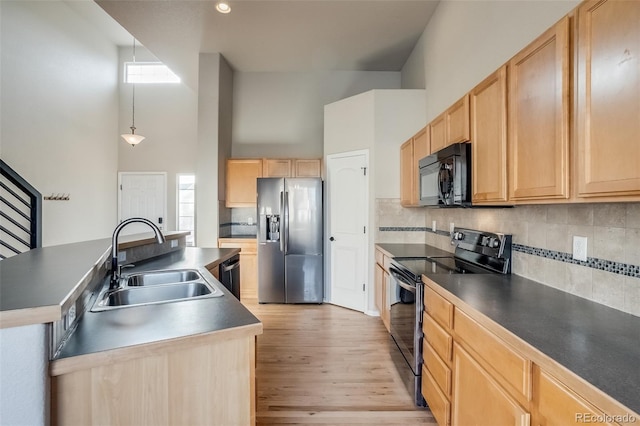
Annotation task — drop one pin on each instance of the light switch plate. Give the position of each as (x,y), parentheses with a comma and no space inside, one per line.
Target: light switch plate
(174,243)
(122,256)
(452,227)
(433,225)
(580,248)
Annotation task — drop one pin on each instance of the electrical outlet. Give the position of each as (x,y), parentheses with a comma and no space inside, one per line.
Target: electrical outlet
(250,221)
(452,227)
(122,256)
(433,225)
(174,243)
(580,248)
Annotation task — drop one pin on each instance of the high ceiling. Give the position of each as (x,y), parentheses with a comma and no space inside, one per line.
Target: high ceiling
(278,36)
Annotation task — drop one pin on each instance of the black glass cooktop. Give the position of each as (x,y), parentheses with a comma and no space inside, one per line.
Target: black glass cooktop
(415,267)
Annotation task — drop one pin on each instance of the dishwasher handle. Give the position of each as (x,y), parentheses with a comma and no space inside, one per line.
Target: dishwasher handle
(230,266)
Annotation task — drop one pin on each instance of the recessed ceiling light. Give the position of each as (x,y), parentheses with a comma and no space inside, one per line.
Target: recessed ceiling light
(223,6)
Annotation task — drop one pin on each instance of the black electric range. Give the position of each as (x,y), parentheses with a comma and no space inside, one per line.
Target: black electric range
(476,252)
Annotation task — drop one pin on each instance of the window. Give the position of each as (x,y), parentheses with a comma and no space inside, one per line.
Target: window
(187,206)
(148,72)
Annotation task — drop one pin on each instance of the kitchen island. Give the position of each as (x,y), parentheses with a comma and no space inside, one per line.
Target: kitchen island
(183,362)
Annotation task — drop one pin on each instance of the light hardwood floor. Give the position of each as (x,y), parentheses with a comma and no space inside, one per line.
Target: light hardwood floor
(322,364)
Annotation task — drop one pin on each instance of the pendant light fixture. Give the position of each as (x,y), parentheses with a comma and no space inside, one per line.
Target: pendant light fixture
(131,138)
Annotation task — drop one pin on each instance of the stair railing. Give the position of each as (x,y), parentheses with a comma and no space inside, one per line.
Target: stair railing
(20,214)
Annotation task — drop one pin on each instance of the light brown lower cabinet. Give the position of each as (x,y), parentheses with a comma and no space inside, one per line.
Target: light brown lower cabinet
(478,399)
(438,403)
(558,405)
(210,382)
(477,373)
(382,287)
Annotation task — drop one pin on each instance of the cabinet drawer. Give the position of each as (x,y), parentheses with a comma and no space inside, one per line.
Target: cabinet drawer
(514,370)
(559,405)
(439,370)
(438,307)
(438,338)
(438,403)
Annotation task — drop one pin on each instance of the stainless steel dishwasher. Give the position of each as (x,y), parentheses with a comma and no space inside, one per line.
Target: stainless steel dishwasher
(230,275)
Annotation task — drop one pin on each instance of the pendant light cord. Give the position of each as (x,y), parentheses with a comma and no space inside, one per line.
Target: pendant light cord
(133,101)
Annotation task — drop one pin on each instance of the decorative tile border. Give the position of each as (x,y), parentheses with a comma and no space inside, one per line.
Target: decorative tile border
(412,229)
(592,262)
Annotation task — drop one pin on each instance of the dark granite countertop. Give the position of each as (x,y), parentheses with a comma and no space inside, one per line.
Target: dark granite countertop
(35,285)
(120,328)
(598,343)
(413,250)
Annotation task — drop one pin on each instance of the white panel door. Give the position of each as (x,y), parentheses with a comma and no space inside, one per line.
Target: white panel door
(347,190)
(142,195)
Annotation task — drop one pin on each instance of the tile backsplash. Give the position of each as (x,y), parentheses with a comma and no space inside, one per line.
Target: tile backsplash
(237,221)
(543,240)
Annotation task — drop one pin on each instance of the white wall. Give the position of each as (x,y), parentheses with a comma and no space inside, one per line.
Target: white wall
(282,114)
(465,41)
(59,115)
(167,115)
(399,114)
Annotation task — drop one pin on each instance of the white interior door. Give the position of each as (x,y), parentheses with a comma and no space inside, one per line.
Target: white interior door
(142,195)
(347,194)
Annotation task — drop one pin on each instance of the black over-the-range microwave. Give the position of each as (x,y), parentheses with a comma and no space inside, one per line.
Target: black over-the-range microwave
(445,177)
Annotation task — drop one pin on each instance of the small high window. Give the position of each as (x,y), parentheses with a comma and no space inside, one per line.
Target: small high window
(148,72)
(187,205)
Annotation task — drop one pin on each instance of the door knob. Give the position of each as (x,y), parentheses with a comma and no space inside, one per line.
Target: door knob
(331,239)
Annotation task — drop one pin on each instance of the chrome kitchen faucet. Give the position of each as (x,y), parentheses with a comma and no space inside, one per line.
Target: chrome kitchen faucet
(115,268)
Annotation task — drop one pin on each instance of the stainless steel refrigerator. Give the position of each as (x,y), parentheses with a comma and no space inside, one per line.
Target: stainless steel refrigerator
(290,247)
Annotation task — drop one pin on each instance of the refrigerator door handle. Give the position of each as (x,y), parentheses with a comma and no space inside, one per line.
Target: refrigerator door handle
(281,230)
(286,222)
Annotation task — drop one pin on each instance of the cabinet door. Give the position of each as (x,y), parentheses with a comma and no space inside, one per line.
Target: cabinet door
(276,168)
(407,187)
(421,148)
(378,278)
(489,139)
(558,405)
(478,399)
(608,110)
(539,117)
(457,120)
(307,168)
(386,307)
(438,133)
(241,185)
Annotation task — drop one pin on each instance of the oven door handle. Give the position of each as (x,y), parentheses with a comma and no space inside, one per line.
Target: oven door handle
(402,281)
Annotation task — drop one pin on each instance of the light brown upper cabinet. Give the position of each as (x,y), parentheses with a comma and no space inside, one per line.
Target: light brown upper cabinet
(407,195)
(411,152)
(608,99)
(457,120)
(489,139)
(241,185)
(438,133)
(539,118)
(452,126)
(272,167)
(307,167)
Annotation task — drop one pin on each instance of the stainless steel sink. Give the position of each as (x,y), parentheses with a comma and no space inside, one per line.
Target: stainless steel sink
(156,287)
(162,277)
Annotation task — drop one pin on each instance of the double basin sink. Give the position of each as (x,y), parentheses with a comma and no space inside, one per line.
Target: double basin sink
(154,287)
